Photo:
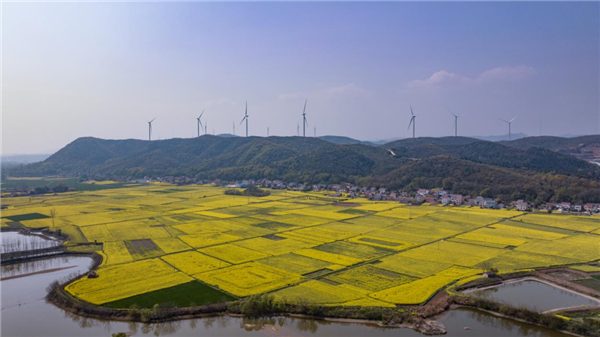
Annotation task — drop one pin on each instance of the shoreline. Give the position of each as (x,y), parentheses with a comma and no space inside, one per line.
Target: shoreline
(497,314)
(427,323)
(440,305)
(536,279)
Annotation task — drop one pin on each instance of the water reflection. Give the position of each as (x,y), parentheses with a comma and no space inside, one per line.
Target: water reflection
(477,323)
(37,265)
(16,242)
(534,295)
(26,313)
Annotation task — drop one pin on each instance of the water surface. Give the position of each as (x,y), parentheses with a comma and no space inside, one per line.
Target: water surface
(15,242)
(534,295)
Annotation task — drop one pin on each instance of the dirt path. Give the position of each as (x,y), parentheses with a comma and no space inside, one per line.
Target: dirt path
(567,284)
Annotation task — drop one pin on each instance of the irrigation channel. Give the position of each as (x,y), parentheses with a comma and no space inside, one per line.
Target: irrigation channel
(25,312)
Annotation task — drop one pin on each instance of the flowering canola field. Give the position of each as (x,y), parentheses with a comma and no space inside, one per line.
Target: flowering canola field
(306,247)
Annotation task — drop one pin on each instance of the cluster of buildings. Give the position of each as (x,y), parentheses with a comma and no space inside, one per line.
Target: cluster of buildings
(569,207)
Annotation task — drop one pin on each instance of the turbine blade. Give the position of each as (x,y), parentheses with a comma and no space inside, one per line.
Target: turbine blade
(153,119)
(243,119)
(201,114)
(411,111)
(453,114)
(409,124)
(304,111)
(503,120)
(512,120)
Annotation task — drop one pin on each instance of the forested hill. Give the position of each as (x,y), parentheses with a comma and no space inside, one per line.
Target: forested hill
(534,158)
(584,147)
(460,164)
(552,143)
(341,140)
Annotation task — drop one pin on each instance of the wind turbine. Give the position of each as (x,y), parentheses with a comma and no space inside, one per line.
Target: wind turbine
(234,128)
(509,124)
(205,127)
(305,123)
(245,118)
(413,121)
(150,128)
(298,129)
(315,130)
(199,122)
(267,131)
(455,122)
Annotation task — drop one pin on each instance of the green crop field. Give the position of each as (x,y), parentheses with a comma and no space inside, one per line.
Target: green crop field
(187,294)
(194,244)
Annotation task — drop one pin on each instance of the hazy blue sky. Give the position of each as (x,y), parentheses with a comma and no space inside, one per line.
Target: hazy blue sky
(102,69)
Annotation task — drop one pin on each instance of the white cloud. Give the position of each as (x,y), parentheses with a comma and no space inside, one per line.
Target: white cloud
(438,78)
(444,78)
(506,73)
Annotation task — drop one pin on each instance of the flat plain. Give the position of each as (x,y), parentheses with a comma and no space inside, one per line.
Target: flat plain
(160,242)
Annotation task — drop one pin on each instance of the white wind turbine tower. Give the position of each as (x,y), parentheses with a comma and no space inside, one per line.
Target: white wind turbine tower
(199,122)
(234,128)
(315,130)
(205,126)
(298,129)
(413,121)
(509,125)
(245,118)
(150,128)
(456,117)
(268,131)
(305,122)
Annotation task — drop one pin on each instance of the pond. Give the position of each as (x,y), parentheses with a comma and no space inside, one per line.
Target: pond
(534,295)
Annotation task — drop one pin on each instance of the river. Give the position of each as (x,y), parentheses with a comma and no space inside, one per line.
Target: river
(25,312)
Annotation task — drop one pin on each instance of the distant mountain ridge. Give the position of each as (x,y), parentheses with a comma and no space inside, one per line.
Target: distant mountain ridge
(498,138)
(582,147)
(460,164)
(341,140)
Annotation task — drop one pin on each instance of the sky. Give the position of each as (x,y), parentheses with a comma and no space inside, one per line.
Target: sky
(104,69)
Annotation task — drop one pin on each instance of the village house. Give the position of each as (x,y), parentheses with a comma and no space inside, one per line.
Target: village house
(548,206)
(457,199)
(445,200)
(489,203)
(592,208)
(564,206)
(520,205)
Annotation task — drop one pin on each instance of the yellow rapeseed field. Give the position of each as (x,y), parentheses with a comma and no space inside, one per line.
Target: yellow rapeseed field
(233,254)
(311,246)
(126,280)
(193,262)
(249,279)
